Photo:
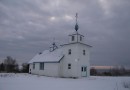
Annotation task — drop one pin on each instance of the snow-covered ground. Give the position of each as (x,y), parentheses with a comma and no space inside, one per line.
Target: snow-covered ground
(34,82)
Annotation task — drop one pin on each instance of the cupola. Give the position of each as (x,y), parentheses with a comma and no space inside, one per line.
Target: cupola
(76,37)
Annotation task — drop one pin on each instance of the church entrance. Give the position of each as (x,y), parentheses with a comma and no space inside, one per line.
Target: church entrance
(84,71)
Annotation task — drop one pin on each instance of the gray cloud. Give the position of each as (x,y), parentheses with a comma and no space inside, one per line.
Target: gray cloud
(29,26)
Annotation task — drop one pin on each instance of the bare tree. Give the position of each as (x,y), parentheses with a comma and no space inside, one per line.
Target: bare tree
(10,64)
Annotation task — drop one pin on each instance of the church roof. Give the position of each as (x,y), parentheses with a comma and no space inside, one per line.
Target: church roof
(47,56)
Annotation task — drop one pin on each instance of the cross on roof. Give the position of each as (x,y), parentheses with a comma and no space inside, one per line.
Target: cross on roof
(76,26)
(76,17)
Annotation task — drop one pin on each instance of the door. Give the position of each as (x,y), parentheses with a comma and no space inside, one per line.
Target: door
(84,71)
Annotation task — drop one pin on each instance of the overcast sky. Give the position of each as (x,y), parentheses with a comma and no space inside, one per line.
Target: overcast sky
(28,27)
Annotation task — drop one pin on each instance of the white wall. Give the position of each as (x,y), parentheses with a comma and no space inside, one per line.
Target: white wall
(65,72)
(30,68)
(84,60)
(77,60)
(50,69)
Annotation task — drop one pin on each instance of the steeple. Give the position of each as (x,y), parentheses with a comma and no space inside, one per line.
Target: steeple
(76,25)
(76,37)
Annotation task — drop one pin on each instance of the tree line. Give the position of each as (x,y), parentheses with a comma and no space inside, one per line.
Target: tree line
(115,71)
(10,65)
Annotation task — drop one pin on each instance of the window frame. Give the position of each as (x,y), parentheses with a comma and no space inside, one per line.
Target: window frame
(72,38)
(82,69)
(41,65)
(84,52)
(69,65)
(85,69)
(80,38)
(69,52)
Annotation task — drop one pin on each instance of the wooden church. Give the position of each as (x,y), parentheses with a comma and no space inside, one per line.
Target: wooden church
(68,60)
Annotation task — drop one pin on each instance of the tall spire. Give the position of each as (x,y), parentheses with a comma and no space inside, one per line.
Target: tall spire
(76,25)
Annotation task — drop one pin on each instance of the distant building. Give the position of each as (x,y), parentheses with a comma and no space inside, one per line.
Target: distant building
(69,60)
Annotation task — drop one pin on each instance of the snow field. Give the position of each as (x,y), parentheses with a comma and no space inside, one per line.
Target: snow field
(34,82)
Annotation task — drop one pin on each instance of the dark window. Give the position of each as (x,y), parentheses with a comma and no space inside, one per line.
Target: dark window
(72,38)
(82,69)
(80,38)
(83,52)
(42,66)
(69,52)
(69,66)
(33,65)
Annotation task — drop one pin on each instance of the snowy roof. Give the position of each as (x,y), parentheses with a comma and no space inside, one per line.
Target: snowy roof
(47,56)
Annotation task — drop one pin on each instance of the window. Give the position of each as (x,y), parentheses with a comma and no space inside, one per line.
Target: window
(72,38)
(42,66)
(83,52)
(82,69)
(69,52)
(33,65)
(85,69)
(80,38)
(69,66)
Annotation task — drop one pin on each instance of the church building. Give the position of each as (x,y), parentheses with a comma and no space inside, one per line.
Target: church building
(68,60)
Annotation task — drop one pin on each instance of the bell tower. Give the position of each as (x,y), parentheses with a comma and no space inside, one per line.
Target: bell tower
(76,60)
(76,37)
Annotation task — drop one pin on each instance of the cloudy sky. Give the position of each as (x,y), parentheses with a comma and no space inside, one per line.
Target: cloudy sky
(29,26)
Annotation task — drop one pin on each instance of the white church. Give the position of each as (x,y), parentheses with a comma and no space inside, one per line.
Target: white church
(68,60)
